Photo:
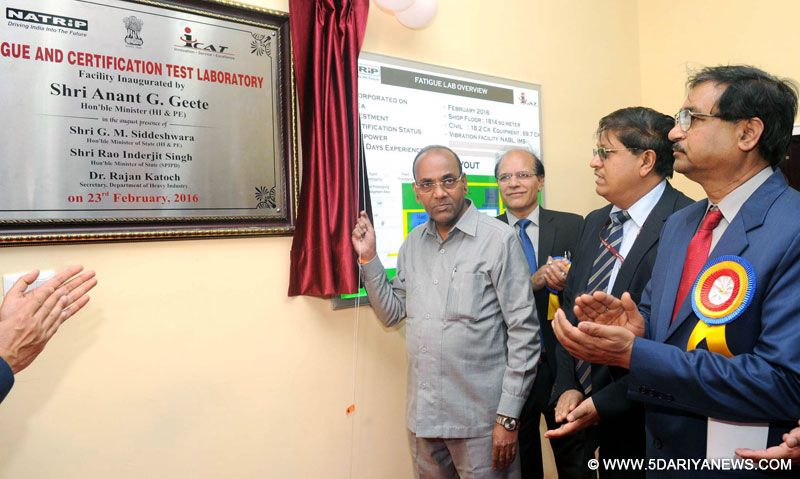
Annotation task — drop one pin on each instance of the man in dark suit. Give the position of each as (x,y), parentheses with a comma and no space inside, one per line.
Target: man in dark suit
(712,347)
(548,234)
(615,253)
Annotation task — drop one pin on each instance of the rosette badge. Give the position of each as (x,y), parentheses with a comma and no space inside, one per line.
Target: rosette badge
(723,290)
(553,302)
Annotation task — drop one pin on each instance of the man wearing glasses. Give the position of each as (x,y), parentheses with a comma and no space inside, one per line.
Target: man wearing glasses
(463,287)
(615,253)
(545,234)
(712,348)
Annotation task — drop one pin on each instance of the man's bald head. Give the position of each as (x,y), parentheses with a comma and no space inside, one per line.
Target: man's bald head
(430,148)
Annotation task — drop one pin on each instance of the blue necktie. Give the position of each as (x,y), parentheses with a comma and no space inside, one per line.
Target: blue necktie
(598,281)
(530,255)
(527,246)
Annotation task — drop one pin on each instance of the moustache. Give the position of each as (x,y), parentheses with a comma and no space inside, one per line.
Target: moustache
(677,147)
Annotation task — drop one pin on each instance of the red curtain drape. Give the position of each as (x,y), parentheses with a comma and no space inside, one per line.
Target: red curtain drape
(326,39)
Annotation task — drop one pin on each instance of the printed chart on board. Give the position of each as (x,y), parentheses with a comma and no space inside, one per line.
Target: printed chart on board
(406,105)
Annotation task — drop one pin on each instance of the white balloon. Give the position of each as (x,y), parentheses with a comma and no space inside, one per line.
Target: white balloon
(394,5)
(418,15)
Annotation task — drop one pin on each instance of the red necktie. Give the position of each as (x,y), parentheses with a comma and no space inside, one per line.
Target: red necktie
(696,255)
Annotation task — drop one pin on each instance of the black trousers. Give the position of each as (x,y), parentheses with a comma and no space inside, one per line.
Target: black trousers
(568,451)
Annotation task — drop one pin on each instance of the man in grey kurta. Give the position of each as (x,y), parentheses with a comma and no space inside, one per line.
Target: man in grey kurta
(463,287)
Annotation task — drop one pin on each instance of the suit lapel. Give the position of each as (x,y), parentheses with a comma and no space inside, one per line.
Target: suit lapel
(733,242)
(588,248)
(678,246)
(648,236)
(547,236)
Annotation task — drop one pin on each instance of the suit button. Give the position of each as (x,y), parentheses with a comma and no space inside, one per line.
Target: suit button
(657,443)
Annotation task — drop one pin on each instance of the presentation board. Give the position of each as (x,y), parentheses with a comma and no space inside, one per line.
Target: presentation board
(407,105)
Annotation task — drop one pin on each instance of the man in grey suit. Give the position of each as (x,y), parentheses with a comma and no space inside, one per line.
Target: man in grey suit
(463,288)
(545,234)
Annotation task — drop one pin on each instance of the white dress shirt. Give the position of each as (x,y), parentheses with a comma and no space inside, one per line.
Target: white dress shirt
(638,212)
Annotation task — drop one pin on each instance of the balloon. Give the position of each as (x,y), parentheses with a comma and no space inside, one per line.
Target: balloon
(418,15)
(394,5)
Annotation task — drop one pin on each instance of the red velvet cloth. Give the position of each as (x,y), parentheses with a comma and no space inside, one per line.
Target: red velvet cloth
(326,38)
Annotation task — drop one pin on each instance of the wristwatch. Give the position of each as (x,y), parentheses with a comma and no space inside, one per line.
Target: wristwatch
(509,423)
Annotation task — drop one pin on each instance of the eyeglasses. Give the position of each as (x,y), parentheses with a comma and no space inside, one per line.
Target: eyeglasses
(684,118)
(603,152)
(447,184)
(521,176)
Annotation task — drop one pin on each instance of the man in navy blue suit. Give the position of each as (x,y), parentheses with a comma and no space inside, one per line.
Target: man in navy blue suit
(712,348)
(29,320)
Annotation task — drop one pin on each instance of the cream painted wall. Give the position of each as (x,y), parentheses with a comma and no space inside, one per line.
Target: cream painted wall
(682,36)
(191,362)
(585,54)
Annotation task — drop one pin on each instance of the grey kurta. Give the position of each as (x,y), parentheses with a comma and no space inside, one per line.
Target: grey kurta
(471,326)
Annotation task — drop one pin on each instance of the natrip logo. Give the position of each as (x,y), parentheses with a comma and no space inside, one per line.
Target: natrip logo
(134,27)
(369,72)
(189,41)
(46,19)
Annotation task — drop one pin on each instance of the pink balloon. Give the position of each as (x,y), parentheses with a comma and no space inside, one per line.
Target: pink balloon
(418,15)
(394,5)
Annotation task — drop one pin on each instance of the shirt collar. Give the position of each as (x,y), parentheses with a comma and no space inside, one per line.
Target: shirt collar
(640,210)
(533,216)
(468,223)
(731,204)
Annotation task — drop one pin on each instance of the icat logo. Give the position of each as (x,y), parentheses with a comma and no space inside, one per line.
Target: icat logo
(189,41)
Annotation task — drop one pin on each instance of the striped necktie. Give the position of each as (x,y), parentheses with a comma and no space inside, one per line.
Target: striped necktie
(598,281)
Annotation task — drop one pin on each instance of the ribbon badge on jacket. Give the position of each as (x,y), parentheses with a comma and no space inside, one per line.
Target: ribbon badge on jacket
(721,293)
(554,303)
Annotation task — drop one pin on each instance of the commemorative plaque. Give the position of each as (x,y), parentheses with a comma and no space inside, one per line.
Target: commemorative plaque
(133,119)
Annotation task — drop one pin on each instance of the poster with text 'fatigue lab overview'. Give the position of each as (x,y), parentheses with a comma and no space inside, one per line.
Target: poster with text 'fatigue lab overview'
(406,105)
